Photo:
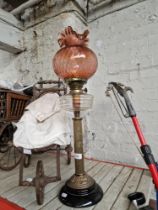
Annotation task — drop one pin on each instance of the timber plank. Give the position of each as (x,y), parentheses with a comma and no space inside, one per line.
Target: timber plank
(11,182)
(122,201)
(111,193)
(116,181)
(144,186)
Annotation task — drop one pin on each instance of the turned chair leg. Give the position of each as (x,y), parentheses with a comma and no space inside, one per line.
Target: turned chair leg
(58,162)
(68,149)
(21,167)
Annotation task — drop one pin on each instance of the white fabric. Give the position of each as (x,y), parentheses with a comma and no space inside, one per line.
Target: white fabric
(43,124)
(45,106)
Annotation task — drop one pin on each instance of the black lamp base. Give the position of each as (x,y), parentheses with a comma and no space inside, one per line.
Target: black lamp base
(80,198)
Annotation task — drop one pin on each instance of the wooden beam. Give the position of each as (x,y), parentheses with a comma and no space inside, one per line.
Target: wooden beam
(11,33)
(9,18)
(15,3)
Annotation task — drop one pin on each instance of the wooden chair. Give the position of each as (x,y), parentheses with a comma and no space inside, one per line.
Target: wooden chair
(12,105)
(40,180)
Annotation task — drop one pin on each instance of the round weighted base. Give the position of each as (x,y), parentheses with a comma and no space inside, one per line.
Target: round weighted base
(79,198)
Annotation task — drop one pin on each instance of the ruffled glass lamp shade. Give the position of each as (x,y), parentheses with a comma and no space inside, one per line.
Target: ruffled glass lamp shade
(74,59)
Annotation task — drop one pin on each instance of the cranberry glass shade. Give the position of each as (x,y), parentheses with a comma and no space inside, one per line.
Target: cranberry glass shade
(74,59)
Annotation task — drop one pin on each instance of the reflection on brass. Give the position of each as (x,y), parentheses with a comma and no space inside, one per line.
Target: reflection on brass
(76,85)
(83,181)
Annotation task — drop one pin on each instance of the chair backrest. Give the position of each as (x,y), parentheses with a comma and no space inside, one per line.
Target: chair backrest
(48,86)
(12,105)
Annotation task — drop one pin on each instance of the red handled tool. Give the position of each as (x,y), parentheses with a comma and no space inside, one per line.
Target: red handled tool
(128,111)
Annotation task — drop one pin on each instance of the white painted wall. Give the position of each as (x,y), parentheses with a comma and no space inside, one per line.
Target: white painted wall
(8,69)
(126,43)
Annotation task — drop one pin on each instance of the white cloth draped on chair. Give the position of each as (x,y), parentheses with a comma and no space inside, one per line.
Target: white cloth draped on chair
(42,124)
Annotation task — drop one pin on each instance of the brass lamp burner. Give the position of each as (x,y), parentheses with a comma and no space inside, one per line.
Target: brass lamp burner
(75,63)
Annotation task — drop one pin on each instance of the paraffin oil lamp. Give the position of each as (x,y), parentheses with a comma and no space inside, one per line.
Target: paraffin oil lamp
(76,63)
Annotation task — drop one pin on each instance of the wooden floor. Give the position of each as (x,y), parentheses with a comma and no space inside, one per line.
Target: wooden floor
(116,181)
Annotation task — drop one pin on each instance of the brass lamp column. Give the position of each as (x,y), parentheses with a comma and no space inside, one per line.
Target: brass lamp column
(75,63)
(80,180)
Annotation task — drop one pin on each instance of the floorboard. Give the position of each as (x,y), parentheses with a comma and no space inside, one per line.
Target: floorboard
(116,182)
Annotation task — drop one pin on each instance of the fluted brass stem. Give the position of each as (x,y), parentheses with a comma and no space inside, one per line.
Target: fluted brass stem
(78,145)
(80,180)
